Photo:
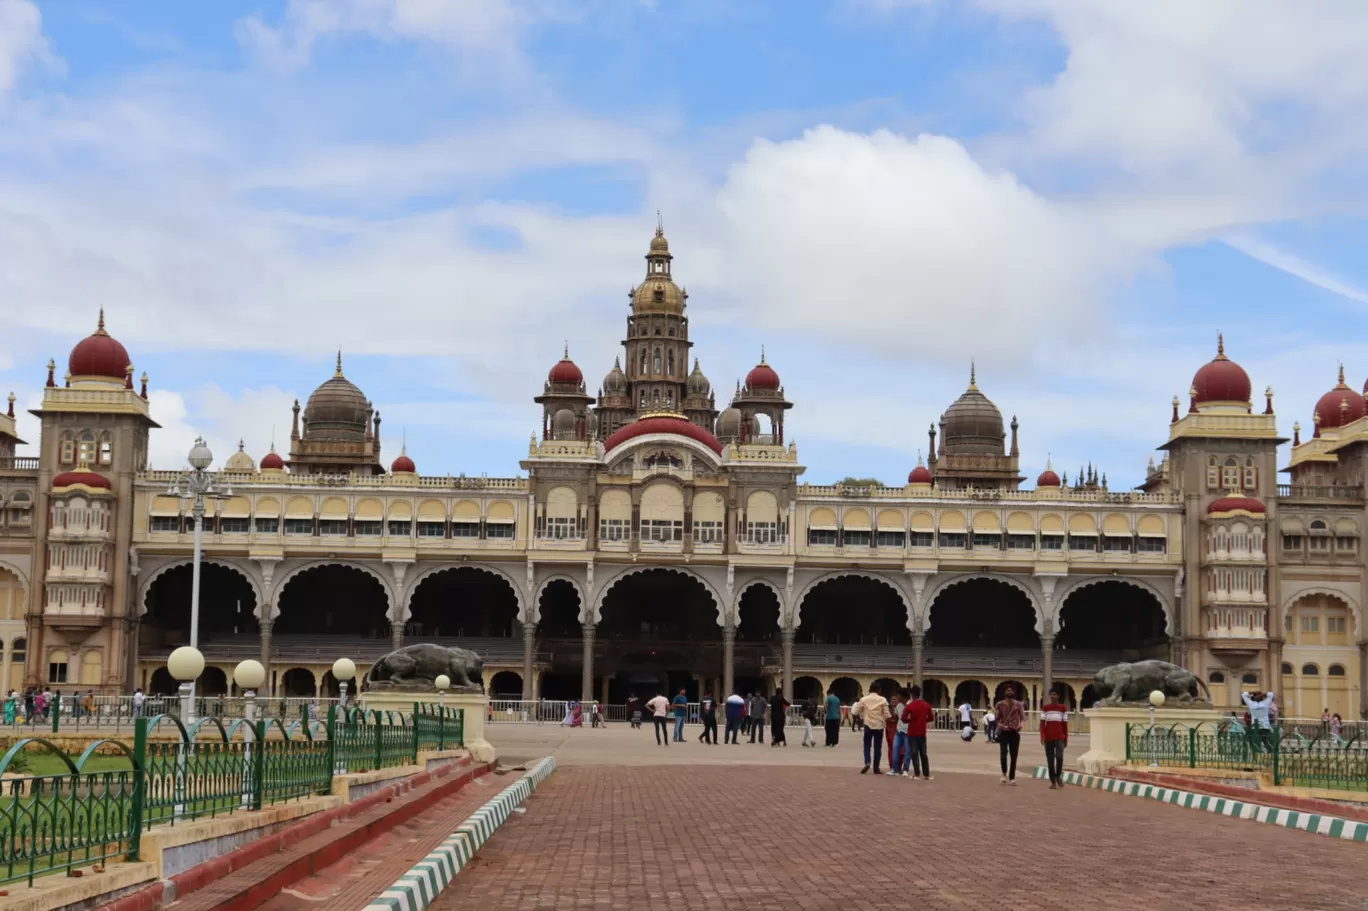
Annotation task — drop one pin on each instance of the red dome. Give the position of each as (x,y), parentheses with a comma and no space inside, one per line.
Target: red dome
(663,424)
(1237,504)
(1048,478)
(565,372)
(1331,408)
(762,376)
(403,464)
(1221,380)
(272,460)
(80,476)
(99,355)
(919,475)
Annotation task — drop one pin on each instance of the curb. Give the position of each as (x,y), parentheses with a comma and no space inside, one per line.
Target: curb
(421,885)
(1321,824)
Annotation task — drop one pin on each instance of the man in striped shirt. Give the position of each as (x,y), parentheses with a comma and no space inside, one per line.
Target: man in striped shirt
(1011,715)
(1054,735)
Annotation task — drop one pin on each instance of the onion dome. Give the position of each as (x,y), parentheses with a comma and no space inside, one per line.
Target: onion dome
(240,460)
(272,461)
(1221,380)
(658,293)
(762,375)
(565,372)
(698,383)
(671,424)
(403,464)
(337,410)
(615,383)
(81,477)
(921,474)
(1048,478)
(1340,405)
(1232,504)
(729,425)
(972,425)
(563,425)
(99,355)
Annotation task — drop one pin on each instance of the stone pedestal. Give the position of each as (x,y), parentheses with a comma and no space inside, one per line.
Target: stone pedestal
(475,705)
(1107,731)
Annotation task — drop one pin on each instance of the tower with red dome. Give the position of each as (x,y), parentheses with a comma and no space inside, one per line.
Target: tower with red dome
(565,403)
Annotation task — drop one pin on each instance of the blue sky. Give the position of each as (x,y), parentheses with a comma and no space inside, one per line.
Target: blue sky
(1076,194)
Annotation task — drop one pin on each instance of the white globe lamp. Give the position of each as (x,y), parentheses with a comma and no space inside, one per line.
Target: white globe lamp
(201,457)
(186,664)
(249,675)
(1157,698)
(343,671)
(443,683)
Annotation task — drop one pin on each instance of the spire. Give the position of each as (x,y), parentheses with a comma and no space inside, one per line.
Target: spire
(11,404)
(99,327)
(566,354)
(660,224)
(762,354)
(1220,346)
(973,377)
(339,363)
(241,445)
(1341,374)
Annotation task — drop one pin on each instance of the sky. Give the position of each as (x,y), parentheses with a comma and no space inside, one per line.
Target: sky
(1074,195)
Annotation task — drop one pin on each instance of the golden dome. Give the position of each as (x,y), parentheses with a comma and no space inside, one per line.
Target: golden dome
(240,460)
(973,424)
(658,293)
(337,410)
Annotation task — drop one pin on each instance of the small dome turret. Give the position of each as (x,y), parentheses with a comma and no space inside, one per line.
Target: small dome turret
(698,383)
(240,460)
(615,383)
(403,464)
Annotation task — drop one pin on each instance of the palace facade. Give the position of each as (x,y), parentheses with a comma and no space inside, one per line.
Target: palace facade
(654,540)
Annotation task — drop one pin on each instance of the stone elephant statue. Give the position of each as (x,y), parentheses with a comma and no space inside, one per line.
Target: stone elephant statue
(418,666)
(1133,682)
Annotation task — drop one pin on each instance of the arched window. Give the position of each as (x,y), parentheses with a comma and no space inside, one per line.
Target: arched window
(1213,473)
(1251,679)
(68,448)
(1215,677)
(1318,525)
(106,449)
(670,333)
(85,450)
(643,360)
(643,398)
(1230,474)
(1336,670)
(669,362)
(1310,670)
(1251,475)
(655,397)
(1287,668)
(655,363)
(57,666)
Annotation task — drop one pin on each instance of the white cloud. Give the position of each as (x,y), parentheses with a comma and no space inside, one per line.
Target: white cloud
(223,419)
(21,40)
(1292,264)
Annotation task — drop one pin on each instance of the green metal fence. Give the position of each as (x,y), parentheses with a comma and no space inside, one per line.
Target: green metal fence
(1288,756)
(96,807)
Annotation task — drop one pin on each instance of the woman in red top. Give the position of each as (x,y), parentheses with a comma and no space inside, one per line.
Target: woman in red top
(1054,735)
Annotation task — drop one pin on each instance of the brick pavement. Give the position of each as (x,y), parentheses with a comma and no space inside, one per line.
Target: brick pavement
(799,839)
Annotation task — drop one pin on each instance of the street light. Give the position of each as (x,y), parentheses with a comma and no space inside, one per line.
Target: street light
(1156,699)
(443,683)
(344,670)
(248,675)
(199,484)
(186,664)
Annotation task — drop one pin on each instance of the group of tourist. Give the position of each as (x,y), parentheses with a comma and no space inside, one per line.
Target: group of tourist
(38,705)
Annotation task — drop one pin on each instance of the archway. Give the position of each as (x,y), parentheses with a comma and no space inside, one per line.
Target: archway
(1113,616)
(658,628)
(1089,697)
(886,686)
(982,613)
(330,687)
(1066,694)
(847,689)
(506,685)
(162,683)
(212,682)
(936,693)
(853,610)
(463,602)
(1021,690)
(333,600)
(807,689)
(298,682)
(227,606)
(559,608)
(973,692)
(759,615)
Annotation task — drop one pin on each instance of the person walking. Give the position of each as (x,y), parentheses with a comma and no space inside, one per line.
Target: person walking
(707,713)
(916,714)
(1011,715)
(1054,736)
(872,711)
(990,726)
(1260,705)
(895,701)
(681,712)
(809,721)
(833,718)
(778,709)
(736,714)
(757,717)
(659,708)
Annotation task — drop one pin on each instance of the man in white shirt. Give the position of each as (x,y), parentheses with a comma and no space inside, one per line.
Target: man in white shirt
(874,712)
(1260,706)
(659,708)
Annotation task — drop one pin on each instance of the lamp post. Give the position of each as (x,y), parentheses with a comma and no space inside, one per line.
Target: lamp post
(1156,699)
(344,670)
(443,683)
(248,675)
(186,664)
(198,484)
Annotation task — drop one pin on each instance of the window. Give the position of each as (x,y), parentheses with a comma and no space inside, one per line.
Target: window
(1213,473)
(1151,545)
(1336,670)
(767,533)
(106,450)
(166,523)
(234,526)
(57,667)
(923,539)
(1115,544)
(267,526)
(1345,544)
(953,539)
(1334,624)
(1319,525)
(299,526)
(1310,624)
(856,538)
(711,533)
(465,529)
(367,529)
(85,450)
(890,539)
(614,529)
(499,529)
(399,528)
(661,530)
(1083,542)
(1286,668)
(1310,670)
(1216,677)
(1251,679)
(1287,623)
(561,529)
(1250,474)
(1230,474)
(1292,542)
(1021,542)
(988,542)
(1320,542)
(332,527)
(432,529)
(68,449)
(1051,542)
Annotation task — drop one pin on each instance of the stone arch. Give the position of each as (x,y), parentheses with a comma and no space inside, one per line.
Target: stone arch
(145,583)
(747,586)
(718,602)
(1134,582)
(951,582)
(796,609)
(1322,591)
(411,585)
(20,573)
(534,608)
(279,587)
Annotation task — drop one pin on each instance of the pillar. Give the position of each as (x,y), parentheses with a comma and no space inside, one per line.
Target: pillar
(604,700)
(788,635)
(1046,664)
(396,634)
(587,674)
(918,640)
(529,659)
(1363,679)
(266,654)
(728,646)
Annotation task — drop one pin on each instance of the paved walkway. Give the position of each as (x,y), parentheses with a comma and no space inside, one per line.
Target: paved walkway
(803,837)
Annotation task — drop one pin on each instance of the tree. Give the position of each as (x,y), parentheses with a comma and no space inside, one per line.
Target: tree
(861,482)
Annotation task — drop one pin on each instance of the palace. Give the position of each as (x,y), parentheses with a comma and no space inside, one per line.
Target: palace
(653,540)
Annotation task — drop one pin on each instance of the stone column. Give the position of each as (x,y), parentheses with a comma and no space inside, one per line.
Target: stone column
(396,634)
(266,652)
(1363,679)
(529,660)
(918,640)
(728,647)
(587,675)
(1046,664)
(788,635)
(604,700)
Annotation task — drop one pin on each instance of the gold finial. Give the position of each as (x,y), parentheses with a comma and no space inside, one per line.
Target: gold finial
(762,354)
(1341,374)
(566,354)
(1220,344)
(241,445)
(99,327)
(339,363)
(1316,418)
(973,375)
(660,224)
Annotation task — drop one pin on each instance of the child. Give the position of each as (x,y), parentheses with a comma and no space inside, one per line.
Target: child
(895,702)
(1054,735)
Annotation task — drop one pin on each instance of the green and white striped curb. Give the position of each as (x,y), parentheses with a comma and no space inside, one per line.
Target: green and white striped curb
(1332,826)
(421,885)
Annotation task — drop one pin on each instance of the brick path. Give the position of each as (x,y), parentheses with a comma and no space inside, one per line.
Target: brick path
(798,839)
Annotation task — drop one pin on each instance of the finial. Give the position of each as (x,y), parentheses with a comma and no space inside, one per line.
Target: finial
(566,354)
(1220,344)
(1296,433)
(52,367)
(660,224)
(1048,465)
(617,362)
(128,376)
(143,380)
(973,375)
(762,354)
(339,363)
(11,404)
(695,365)
(99,327)
(241,445)
(920,463)
(1175,410)
(1341,375)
